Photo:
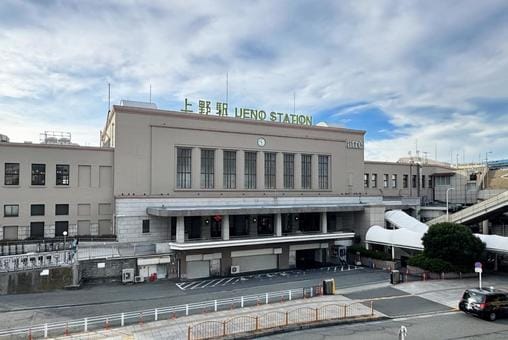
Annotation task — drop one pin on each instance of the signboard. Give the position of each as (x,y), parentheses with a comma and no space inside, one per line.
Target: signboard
(478,267)
(221,109)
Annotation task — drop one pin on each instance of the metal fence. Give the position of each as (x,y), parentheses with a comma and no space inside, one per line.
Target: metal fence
(247,324)
(170,312)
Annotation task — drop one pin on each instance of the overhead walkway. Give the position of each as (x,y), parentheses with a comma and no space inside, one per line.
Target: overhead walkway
(410,231)
(477,212)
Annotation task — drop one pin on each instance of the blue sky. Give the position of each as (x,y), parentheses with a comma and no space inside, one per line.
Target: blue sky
(426,73)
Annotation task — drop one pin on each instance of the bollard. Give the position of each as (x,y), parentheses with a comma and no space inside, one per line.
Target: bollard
(186,310)
(241,301)
(311,291)
(215,305)
(266,299)
(289,293)
(45,330)
(122,319)
(156,314)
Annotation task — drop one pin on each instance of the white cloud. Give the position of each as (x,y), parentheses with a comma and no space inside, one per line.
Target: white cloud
(420,62)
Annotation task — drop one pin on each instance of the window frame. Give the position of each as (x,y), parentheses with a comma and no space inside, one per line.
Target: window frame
(324,172)
(386,183)
(270,170)
(289,170)
(145,227)
(11,214)
(207,173)
(11,173)
(57,213)
(183,168)
(38,177)
(373,180)
(61,177)
(394,181)
(250,171)
(34,206)
(306,166)
(229,169)
(366,177)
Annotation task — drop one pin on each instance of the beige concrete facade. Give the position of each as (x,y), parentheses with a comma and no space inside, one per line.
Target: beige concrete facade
(88,194)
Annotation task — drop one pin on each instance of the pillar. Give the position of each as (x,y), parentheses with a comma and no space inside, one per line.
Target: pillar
(180,229)
(225,227)
(485,227)
(324,223)
(278,224)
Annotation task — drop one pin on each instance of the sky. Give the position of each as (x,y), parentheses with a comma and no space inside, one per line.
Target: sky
(430,76)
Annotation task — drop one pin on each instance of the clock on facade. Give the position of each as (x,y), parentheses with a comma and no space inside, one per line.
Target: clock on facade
(261,141)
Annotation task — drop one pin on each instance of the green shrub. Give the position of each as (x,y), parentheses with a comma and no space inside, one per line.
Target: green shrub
(374,254)
(431,264)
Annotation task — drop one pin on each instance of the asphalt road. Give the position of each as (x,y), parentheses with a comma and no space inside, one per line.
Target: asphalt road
(443,326)
(25,309)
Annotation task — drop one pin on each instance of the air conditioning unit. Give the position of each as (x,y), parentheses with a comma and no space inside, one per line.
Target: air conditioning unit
(139,279)
(235,269)
(128,275)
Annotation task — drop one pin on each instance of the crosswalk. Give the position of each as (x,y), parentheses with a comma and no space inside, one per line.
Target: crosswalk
(226,281)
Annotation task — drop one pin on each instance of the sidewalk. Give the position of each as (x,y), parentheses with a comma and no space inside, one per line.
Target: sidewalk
(177,329)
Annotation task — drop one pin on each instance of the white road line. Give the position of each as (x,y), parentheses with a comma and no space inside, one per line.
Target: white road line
(179,286)
(236,281)
(208,283)
(199,284)
(225,283)
(193,284)
(217,283)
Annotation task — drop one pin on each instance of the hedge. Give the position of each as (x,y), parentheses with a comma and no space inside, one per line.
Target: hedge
(431,264)
(375,254)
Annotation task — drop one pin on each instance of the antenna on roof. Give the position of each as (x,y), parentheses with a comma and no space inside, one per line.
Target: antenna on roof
(109,96)
(227,88)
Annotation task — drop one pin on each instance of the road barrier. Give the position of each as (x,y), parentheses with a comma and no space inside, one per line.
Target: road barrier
(171,312)
(248,325)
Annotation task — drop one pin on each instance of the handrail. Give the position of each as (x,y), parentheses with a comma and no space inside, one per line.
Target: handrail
(474,209)
(121,319)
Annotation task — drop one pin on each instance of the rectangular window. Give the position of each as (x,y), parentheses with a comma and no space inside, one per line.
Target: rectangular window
(36,230)
(183,168)
(62,174)
(38,174)
(405,181)
(207,168)
(146,226)
(365,180)
(270,164)
(60,227)
(394,181)
(442,180)
(323,171)
(306,171)
(229,169)
(289,171)
(250,170)
(374,180)
(11,210)
(61,209)
(430,181)
(37,210)
(11,174)
(413,181)
(385,181)
(423,181)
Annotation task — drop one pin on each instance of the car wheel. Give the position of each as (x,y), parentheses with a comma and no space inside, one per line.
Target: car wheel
(492,316)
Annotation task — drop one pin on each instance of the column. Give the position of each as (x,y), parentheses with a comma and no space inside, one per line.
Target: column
(315,172)
(219,169)
(278,224)
(260,170)
(240,169)
(225,227)
(485,227)
(324,223)
(180,229)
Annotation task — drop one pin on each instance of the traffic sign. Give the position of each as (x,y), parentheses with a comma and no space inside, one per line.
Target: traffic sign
(477,264)
(478,270)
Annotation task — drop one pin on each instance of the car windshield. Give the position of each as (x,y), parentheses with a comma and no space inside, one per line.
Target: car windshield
(473,297)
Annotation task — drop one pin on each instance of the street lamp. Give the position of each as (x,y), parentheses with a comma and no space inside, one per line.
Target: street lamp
(65,237)
(447,191)
(486,182)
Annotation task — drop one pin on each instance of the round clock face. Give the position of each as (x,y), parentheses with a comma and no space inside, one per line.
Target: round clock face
(261,141)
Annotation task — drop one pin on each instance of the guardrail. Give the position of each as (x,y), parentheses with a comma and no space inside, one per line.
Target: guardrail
(248,325)
(474,210)
(171,312)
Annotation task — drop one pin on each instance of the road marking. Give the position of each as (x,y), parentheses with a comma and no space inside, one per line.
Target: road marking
(225,283)
(217,283)
(199,284)
(208,283)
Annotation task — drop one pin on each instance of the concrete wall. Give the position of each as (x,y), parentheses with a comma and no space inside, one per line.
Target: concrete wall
(32,282)
(89,270)
(146,141)
(95,190)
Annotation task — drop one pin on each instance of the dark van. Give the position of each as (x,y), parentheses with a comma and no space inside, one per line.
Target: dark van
(488,304)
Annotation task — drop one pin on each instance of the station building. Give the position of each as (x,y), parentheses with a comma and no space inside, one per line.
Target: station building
(207,195)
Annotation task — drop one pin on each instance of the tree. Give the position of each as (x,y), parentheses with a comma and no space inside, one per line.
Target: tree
(454,243)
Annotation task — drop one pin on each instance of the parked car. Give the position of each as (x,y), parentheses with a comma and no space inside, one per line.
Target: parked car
(488,304)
